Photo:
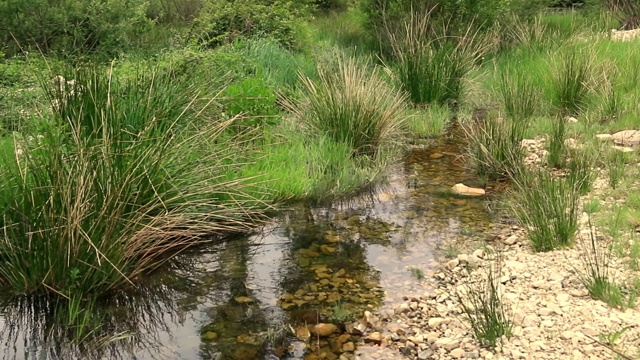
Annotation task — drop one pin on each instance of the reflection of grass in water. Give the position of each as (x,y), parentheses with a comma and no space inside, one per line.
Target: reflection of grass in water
(416,273)
(342,312)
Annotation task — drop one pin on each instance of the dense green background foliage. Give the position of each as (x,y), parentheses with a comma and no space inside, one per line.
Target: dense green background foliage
(72,26)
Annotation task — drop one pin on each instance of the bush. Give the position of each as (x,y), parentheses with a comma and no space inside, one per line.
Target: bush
(352,105)
(223,21)
(72,26)
(457,14)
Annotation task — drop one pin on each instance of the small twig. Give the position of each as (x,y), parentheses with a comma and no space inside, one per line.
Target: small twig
(616,351)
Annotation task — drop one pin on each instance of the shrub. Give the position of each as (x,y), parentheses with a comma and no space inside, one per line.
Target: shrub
(459,14)
(71,26)
(174,11)
(353,105)
(223,21)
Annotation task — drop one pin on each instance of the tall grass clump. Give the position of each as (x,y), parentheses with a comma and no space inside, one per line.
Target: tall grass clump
(571,79)
(495,146)
(580,168)
(123,173)
(483,307)
(351,103)
(616,162)
(430,64)
(519,96)
(557,148)
(547,206)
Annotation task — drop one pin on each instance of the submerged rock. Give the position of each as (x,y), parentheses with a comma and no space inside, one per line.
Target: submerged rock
(465,190)
(323,329)
(209,336)
(243,299)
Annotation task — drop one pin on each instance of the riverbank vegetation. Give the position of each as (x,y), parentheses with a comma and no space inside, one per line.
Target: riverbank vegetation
(133,129)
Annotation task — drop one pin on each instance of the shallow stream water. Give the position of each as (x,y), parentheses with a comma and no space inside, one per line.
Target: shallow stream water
(239,299)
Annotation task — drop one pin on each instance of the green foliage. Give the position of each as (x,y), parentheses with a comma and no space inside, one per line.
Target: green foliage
(277,65)
(616,162)
(458,13)
(224,21)
(72,26)
(351,104)
(334,5)
(416,273)
(580,168)
(430,122)
(557,148)
(596,257)
(253,101)
(174,11)
(294,166)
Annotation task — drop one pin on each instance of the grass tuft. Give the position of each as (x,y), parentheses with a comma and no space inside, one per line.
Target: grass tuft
(595,276)
(351,104)
(483,307)
(547,206)
(570,81)
(519,96)
(495,146)
(431,65)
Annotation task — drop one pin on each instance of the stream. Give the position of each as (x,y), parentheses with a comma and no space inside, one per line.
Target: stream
(244,299)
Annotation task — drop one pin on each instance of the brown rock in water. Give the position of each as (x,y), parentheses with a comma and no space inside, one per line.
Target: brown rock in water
(302,333)
(210,336)
(348,347)
(243,299)
(323,329)
(465,190)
